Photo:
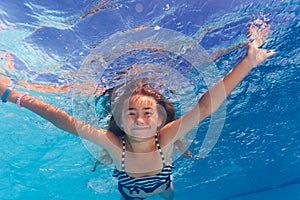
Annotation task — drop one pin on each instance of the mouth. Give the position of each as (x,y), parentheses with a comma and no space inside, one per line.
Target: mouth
(140,128)
(141,133)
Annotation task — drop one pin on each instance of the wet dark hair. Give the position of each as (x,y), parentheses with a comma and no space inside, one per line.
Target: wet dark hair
(145,90)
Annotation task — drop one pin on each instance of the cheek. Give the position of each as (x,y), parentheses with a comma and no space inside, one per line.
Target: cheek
(155,121)
(126,122)
(123,122)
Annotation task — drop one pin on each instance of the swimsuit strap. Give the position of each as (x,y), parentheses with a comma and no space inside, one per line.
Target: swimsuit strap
(124,149)
(123,153)
(160,151)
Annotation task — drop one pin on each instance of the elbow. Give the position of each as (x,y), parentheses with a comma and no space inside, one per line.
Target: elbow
(211,102)
(204,109)
(207,108)
(64,121)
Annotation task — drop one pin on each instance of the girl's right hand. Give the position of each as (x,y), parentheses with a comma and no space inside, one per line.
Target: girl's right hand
(4,82)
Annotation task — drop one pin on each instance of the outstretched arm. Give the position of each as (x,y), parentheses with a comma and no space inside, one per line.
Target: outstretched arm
(215,96)
(56,116)
(60,118)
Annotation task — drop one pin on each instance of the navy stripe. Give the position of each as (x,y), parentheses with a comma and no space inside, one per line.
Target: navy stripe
(127,180)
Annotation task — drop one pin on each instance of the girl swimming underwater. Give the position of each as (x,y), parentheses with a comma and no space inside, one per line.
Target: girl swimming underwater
(140,142)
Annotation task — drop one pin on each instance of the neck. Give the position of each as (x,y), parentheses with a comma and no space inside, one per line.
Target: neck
(143,146)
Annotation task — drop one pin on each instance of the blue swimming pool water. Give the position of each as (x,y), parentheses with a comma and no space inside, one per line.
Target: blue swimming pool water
(43,44)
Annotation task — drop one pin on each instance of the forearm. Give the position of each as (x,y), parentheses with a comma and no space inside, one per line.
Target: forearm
(216,95)
(56,116)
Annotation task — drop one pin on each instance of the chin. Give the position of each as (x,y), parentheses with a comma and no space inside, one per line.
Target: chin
(140,138)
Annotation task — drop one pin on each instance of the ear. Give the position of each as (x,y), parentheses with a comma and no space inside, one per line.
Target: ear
(161,118)
(159,122)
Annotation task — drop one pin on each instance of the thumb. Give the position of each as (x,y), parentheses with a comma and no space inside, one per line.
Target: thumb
(270,53)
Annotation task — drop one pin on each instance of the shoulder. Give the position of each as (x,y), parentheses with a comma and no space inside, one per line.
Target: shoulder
(167,135)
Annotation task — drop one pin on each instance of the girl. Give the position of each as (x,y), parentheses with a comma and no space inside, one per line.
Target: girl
(139,142)
(168,107)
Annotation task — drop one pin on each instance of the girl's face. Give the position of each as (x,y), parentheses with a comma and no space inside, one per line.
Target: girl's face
(140,118)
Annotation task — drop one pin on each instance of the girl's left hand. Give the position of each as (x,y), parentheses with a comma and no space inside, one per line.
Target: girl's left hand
(255,54)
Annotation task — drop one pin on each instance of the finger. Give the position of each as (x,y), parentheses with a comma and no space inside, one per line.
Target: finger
(254,36)
(250,30)
(249,34)
(270,53)
(251,41)
(257,42)
(265,32)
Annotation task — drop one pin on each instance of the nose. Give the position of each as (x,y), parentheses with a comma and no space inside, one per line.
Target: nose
(139,120)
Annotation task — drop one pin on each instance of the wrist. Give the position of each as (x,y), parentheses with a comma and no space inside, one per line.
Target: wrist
(247,63)
(5,95)
(8,94)
(13,96)
(5,91)
(19,99)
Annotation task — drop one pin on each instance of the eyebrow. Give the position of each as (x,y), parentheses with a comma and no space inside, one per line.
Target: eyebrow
(146,108)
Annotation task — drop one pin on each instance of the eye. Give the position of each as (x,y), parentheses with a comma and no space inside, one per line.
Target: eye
(148,113)
(131,113)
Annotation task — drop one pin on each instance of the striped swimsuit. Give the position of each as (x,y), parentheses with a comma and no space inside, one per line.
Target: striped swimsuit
(147,184)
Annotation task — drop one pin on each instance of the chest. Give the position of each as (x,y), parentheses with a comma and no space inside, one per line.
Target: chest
(142,164)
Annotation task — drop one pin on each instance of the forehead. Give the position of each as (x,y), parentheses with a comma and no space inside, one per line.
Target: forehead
(141,100)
